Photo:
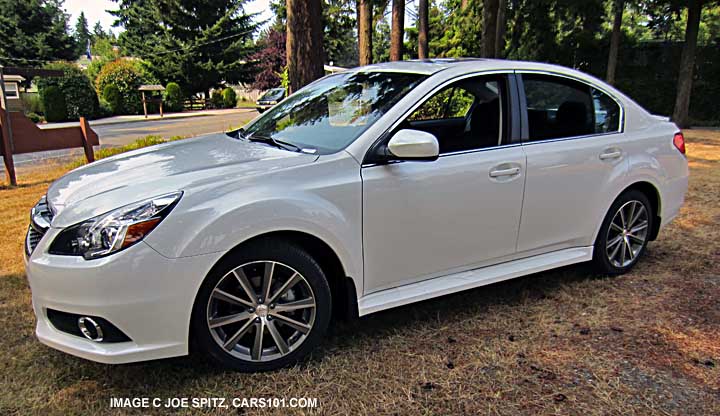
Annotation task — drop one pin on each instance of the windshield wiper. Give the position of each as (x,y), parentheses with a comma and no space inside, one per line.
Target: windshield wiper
(274,142)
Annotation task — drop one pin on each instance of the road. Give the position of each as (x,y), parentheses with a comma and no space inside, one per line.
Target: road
(118,134)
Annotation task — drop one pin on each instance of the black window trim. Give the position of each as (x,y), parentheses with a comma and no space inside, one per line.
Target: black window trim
(525,131)
(515,134)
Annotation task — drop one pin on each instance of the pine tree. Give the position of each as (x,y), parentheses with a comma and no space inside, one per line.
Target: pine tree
(196,43)
(32,31)
(82,34)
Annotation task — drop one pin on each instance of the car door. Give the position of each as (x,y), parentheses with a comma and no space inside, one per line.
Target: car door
(573,143)
(462,211)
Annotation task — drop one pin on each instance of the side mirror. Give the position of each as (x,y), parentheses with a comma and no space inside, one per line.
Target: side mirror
(408,144)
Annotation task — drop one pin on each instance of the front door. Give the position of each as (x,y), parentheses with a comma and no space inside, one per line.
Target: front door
(428,219)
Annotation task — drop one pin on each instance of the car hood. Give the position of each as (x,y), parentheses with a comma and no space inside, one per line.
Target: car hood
(176,166)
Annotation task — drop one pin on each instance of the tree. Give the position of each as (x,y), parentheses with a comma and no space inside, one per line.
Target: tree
(270,60)
(365,18)
(82,34)
(489,32)
(197,43)
(618,7)
(398,30)
(500,29)
(687,65)
(339,40)
(423,29)
(32,31)
(304,44)
(99,32)
(381,42)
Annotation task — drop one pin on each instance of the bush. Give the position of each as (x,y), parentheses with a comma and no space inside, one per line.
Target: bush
(53,101)
(173,97)
(34,117)
(78,95)
(111,95)
(127,76)
(229,98)
(31,102)
(216,99)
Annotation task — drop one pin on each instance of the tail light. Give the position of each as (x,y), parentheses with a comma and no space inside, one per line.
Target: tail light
(679,142)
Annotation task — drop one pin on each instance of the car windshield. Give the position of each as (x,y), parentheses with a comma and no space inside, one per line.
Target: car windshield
(273,94)
(331,113)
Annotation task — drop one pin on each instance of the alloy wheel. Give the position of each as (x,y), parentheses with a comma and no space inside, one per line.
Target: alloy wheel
(261,311)
(627,234)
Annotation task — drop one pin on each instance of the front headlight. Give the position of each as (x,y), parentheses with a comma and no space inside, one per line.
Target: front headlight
(115,230)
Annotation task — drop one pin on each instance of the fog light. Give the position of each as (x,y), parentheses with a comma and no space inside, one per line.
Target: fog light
(90,329)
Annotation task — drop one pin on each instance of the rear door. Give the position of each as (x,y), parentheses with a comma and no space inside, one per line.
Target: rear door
(574,146)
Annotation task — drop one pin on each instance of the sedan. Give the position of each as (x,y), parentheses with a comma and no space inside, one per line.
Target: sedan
(365,190)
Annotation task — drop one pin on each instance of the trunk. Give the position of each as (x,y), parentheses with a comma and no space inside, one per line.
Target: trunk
(398,29)
(423,29)
(615,41)
(463,4)
(304,44)
(500,29)
(365,31)
(687,64)
(489,28)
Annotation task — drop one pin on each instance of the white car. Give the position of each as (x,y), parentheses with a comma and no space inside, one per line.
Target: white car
(366,190)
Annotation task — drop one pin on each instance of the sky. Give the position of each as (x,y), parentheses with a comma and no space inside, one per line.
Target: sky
(95,10)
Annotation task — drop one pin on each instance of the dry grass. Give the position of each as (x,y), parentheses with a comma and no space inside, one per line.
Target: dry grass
(562,342)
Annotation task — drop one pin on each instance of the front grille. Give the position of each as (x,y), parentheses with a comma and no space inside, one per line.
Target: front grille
(32,239)
(40,218)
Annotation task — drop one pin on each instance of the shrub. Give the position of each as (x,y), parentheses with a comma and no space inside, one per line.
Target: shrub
(127,76)
(229,98)
(79,96)
(111,94)
(173,97)
(34,117)
(31,102)
(216,99)
(53,101)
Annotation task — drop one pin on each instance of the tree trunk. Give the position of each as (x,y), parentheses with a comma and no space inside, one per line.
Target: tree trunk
(489,28)
(687,64)
(463,4)
(615,41)
(423,29)
(304,44)
(398,29)
(365,31)
(500,29)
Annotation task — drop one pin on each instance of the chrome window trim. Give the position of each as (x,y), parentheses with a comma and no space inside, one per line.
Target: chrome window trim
(582,81)
(459,152)
(427,96)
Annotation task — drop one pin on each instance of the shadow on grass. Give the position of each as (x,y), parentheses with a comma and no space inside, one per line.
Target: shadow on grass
(177,374)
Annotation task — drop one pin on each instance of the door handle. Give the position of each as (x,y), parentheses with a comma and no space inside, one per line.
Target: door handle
(504,172)
(613,154)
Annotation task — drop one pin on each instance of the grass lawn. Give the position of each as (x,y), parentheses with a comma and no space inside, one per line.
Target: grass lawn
(560,342)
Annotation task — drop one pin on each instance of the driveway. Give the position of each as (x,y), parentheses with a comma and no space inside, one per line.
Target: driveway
(119,134)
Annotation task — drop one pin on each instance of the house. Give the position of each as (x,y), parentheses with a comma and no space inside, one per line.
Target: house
(12,92)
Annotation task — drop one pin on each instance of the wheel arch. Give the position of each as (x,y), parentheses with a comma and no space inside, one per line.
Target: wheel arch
(342,286)
(653,195)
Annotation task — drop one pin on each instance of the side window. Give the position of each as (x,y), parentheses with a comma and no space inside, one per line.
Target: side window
(607,113)
(466,115)
(557,107)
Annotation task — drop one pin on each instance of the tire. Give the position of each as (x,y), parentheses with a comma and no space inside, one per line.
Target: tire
(232,340)
(605,257)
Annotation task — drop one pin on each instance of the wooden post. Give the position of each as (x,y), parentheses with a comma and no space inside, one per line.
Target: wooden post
(84,127)
(144,104)
(6,148)
(161,113)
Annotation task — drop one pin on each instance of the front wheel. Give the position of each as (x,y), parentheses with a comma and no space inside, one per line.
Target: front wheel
(624,233)
(265,308)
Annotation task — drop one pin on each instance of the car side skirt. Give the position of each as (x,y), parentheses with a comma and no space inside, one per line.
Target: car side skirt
(440,286)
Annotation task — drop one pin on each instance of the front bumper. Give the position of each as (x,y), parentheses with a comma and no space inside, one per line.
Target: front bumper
(147,296)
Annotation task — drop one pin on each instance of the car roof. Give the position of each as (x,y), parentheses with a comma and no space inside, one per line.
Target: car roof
(432,66)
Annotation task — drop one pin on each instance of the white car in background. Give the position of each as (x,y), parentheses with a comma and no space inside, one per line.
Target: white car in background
(368,189)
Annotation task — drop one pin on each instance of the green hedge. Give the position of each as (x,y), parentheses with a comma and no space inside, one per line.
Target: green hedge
(77,93)
(127,76)
(54,104)
(229,98)
(173,97)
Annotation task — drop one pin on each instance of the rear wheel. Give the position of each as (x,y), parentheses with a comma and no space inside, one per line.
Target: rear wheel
(624,233)
(263,309)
